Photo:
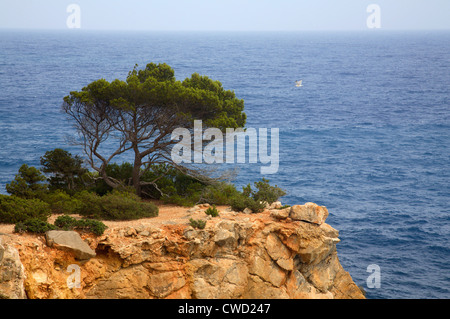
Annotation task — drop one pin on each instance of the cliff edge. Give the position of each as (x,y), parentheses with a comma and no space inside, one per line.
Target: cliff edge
(280,253)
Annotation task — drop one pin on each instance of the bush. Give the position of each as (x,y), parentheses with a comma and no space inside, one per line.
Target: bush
(197,223)
(114,206)
(212,211)
(27,183)
(91,225)
(184,194)
(90,204)
(61,203)
(241,202)
(122,173)
(15,209)
(66,222)
(219,193)
(66,171)
(33,225)
(256,200)
(266,192)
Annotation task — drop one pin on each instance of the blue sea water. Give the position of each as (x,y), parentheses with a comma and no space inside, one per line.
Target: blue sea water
(368,135)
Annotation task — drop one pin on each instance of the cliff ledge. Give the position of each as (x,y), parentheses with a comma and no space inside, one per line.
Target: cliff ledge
(280,253)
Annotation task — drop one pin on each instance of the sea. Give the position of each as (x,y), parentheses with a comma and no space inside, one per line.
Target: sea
(367,135)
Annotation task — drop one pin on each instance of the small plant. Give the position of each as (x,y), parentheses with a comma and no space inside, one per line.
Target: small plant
(241,202)
(197,223)
(255,200)
(212,211)
(67,222)
(91,225)
(266,192)
(284,206)
(33,225)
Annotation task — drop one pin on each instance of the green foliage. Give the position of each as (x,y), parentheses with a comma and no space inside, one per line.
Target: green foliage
(212,211)
(140,108)
(33,225)
(91,225)
(61,203)
(121,173)
(170,185)
(256,200)
(219,193)
(115,206)
(66,171)
(27,183)
(241,202)
(90,205)
(67,222)
(14,209)
(64,222)
(197,223)
(266,192)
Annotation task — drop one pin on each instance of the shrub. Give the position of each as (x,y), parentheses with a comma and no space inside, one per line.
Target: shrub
(15,209)
(125,206)
(91,225)
(66,222)
(27,183)
(240,202)
(33,225)
(256,200)
(197,223)
(122,173)
(212,211)
(266,192)
(66,171)
(90,204)
(115,206)
(61,203)
(219,193)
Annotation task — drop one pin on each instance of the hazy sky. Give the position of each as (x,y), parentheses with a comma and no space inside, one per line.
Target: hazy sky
(233,15)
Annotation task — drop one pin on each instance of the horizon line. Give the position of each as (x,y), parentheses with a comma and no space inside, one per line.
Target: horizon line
(220,30)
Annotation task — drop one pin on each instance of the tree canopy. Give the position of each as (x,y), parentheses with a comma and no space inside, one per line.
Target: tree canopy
(139,114)
(65,170)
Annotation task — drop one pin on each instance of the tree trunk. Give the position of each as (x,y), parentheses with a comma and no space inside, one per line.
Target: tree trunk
(137,174)
(107,180)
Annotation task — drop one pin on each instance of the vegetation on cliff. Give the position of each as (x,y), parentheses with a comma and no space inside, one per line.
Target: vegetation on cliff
(138,116)
(69,188)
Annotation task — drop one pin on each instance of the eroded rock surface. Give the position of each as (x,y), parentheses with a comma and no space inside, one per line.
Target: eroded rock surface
(266,255)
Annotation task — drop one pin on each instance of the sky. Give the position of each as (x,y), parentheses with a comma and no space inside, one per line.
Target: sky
(224,15)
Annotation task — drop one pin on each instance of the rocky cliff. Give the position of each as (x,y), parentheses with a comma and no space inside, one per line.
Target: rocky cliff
(280,253)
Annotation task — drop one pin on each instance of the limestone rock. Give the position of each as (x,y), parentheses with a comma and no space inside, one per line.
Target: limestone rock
(12,273)
(235,256)
(2,250)
(275,205)
(71,241)
(280,213)
(309,212)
